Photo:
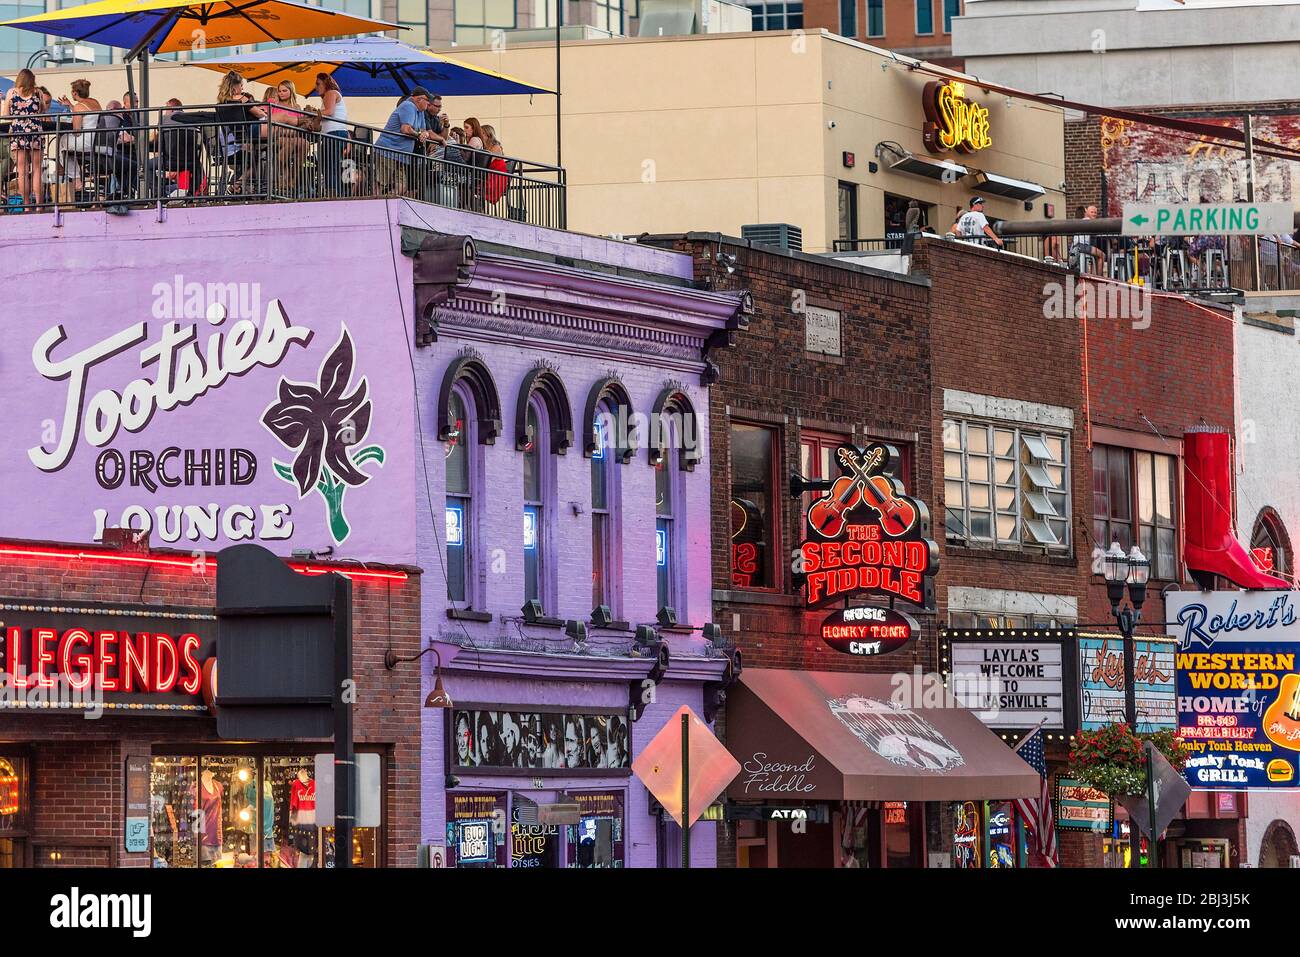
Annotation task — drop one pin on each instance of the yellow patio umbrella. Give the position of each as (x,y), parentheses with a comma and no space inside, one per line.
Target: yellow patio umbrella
(145,27)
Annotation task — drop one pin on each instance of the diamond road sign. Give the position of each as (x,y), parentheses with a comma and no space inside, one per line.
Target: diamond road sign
(659,766)
(1193,219)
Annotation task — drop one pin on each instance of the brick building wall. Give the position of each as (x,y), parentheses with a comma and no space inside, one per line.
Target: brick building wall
(877,388)
(77,768)
(992,335)
(1152,384)
(1109,161)
(1083,170)
(900,22)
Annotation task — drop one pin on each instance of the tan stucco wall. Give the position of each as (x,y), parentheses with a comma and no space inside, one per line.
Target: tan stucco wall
(678,133)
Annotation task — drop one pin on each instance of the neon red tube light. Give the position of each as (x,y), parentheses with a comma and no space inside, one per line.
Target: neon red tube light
(188,563)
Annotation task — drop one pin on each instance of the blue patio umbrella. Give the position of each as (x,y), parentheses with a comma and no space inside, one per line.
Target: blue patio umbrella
(6,85)
(371,66)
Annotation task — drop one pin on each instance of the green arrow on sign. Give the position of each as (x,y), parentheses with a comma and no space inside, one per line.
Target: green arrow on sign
(1139,220)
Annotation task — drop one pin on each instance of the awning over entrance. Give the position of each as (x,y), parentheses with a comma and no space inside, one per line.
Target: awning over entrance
(905,161)
(987,182)
(826,736)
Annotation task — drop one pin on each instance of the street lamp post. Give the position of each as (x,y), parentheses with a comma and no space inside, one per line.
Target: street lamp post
(1129,571)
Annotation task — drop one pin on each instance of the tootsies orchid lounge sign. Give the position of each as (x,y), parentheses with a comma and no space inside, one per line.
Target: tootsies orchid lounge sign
(91,657)
(864,536)
(208,415)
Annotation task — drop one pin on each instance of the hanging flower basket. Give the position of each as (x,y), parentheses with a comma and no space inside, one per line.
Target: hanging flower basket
(1112,759)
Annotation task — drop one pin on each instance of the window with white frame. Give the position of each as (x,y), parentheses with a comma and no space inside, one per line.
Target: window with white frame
(777,16)
(1006,485)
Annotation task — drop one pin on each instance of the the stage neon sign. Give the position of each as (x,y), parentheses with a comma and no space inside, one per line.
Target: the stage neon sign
(952,121)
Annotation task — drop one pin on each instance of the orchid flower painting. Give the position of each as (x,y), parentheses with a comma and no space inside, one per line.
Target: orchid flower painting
(322,423)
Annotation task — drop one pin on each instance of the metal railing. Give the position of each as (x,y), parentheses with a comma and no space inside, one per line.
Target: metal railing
(1208,264)
(229,154)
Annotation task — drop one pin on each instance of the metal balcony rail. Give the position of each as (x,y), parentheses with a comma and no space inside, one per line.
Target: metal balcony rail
(1198,264)
(194,155)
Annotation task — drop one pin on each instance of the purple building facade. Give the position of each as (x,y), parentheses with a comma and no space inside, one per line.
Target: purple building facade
(175,386)
(563,429)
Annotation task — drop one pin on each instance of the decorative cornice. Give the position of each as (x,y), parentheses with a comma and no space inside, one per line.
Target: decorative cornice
(458,659)
(567,291)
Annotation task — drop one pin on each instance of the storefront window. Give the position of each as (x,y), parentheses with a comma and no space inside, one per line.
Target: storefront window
(753,511)
(987,834)
(15,782)
(237,810)
(967,834)
(597,839)
(904,824)
(173,818)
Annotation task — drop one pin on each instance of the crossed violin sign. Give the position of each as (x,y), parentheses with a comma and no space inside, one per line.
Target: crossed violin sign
(863,482)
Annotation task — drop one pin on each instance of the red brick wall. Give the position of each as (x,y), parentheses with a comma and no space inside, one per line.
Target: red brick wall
(770,379)
(992,336)
(1155,383)
(1083,169)
(78,772)
(900,26)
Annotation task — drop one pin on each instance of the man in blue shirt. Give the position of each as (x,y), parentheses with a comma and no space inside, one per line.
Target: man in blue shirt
(404,135)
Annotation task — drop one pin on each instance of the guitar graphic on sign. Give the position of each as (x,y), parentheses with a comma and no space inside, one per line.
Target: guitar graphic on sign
(862,483)
(1282,718)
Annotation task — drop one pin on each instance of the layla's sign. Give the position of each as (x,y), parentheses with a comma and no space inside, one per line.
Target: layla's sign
(864,536)
(953,122)
(1083,808)
(868,631)
(93,656)
(1101,682)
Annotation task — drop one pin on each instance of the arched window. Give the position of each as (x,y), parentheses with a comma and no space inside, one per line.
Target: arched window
(469,417)
(539,493)
(1270,545)
(605,488)
(470,371)
(674,449)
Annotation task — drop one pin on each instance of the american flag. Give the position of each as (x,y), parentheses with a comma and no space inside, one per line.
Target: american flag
(1038,812)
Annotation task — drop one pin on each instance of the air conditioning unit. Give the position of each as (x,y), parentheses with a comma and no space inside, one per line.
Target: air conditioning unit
(781,235)
(677,18)
(65,54)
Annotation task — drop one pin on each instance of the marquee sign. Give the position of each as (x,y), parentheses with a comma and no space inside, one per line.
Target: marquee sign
(865,536)
(91,656)
(953,122)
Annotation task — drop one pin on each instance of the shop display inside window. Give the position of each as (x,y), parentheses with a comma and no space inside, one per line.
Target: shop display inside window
(548,740)
(988,834)
(230,811)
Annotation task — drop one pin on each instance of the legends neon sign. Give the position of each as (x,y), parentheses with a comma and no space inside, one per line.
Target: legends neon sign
(953,122)
(139,658)
(864,536)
